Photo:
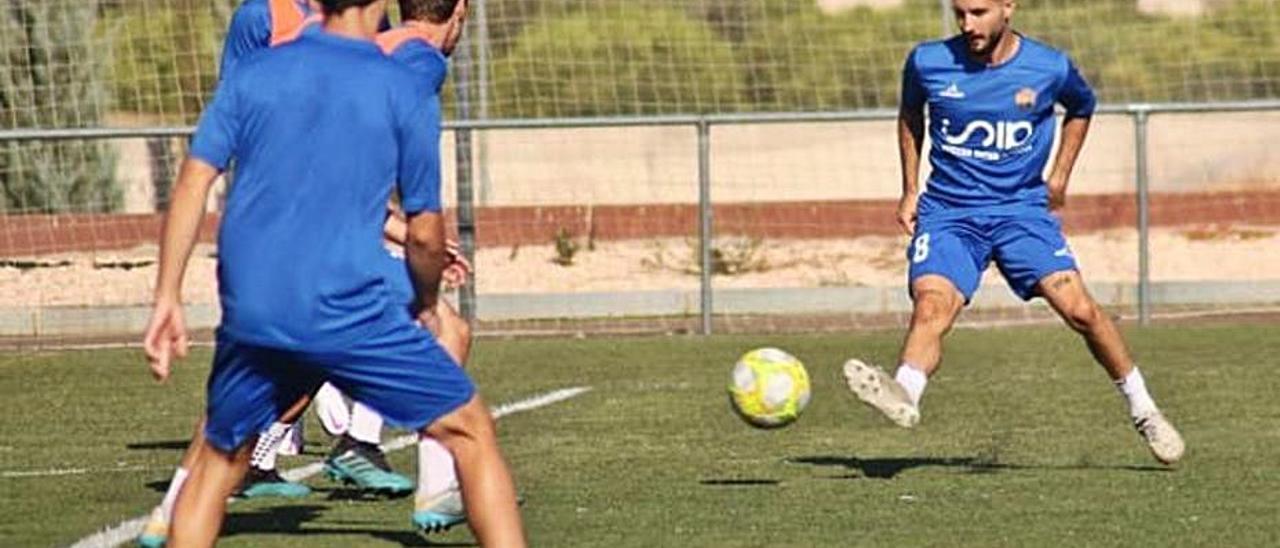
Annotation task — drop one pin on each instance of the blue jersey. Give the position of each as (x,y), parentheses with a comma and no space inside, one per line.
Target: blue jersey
(321,129)
(259,24)
(992,127)
(409,45)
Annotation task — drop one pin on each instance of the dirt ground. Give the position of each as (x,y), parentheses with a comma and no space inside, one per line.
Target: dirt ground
(1177,254)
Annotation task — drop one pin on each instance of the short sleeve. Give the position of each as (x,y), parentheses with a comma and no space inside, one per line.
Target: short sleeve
(1075,94)
(250,31)
(914,93)
(419,154)
(216,134)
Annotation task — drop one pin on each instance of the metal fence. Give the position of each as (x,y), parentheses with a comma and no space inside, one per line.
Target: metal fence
(470,155)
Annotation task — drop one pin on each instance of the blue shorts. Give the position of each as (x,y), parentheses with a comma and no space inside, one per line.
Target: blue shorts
(1026,248)
(399,370)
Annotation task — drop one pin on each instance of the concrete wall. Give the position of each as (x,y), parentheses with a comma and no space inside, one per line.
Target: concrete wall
(802,162)
(844,161)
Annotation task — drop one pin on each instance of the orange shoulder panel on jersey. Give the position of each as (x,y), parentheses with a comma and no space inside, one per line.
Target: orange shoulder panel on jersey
(287,21)
(394,38)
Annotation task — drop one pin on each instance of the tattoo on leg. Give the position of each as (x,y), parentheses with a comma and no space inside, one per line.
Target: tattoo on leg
(1061,282)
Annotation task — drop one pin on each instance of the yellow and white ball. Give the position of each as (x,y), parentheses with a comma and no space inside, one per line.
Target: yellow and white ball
(769,388)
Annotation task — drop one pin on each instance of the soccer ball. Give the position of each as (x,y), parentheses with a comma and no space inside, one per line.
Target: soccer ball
(769,388)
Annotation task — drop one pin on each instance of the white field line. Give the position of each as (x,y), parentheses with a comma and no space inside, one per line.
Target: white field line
(975,324)
(1054,320)
(127,531)
(70,471)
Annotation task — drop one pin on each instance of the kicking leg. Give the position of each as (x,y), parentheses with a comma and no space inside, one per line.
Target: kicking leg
(937,303)
(1067,294)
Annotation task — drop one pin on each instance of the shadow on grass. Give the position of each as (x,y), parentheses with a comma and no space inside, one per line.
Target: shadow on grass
(158,486)
(343,492)
(168,445)
(739,482)
(289,520)
(887,468)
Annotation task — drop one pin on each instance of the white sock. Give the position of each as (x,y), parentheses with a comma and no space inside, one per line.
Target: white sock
(1134,388)
(436,473)
(912,379)
(171,495)
(332,410)
(293,440)
(264,452)
(366,424)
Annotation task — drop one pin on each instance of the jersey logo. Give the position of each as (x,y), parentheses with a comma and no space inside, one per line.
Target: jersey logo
(1010,137)
(1002,135)
(952,92)
(1064,252)
(1025,99)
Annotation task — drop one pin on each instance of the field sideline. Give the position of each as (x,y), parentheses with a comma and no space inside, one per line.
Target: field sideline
(1023,443)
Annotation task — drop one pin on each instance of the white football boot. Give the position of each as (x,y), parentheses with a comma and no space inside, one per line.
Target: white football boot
(879,390)
(1162,438)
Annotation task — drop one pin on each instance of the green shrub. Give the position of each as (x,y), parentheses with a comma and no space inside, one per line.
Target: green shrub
(623,61)
(164,57)
(811,61)
(50,77)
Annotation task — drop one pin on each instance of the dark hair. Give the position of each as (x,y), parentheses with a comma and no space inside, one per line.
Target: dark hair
(339,6)
(434,11)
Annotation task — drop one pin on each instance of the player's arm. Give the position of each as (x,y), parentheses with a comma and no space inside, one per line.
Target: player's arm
(425,253)
(418,127)
(1080,102)
(395,229)
(166,335)
(211,151)
(910,141)
(1074,131)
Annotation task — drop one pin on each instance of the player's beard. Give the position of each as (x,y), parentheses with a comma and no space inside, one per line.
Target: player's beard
(982,45)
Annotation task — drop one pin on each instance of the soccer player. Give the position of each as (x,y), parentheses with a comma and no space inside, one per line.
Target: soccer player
(990,93)
(429,33)
(300,305)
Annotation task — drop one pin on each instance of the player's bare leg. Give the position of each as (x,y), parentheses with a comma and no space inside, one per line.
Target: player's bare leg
(1066,293)
(487,488)
(156,531)
(438,503)
(455,332)
(202,505)
(937,303)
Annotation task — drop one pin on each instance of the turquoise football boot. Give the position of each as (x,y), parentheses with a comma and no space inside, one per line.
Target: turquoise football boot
(363,465)
(260,483)
(439,513)
(156,532)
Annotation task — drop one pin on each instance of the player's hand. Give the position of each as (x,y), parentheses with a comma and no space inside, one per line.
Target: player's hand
(1057,194)
(430,321)
(907,213)
(457,267)
(166,337)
